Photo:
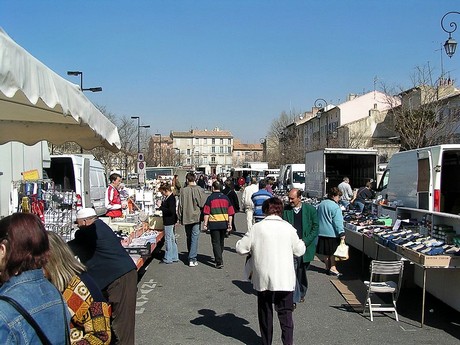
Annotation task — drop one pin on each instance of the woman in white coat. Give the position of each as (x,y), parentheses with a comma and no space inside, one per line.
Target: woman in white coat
(272,243)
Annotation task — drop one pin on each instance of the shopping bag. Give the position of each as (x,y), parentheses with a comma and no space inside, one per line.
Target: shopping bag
(341,253)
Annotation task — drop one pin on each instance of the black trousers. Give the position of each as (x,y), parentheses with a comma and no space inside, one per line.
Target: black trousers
(283,301)
(217,241)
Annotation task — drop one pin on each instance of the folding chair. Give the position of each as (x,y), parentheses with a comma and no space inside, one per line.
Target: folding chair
(380,283)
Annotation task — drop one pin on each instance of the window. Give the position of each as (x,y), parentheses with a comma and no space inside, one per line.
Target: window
(213,141)
(205,141)
(213,159)
(188,151)
(221,141)
(213,149)
(229,141)
(188,161)
(221,149)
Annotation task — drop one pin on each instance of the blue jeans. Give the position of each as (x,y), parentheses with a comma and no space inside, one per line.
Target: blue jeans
(193,234)
(360,205)
(171,253)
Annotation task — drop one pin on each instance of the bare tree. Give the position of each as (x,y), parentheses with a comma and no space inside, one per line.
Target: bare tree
(428,113)
(279,143)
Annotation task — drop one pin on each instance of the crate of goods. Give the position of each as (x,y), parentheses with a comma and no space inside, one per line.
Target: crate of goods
(425,260)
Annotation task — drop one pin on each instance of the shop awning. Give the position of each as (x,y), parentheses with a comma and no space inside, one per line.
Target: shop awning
(37,104)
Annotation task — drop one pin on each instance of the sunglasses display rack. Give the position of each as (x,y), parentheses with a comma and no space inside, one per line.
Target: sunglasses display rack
(56,208)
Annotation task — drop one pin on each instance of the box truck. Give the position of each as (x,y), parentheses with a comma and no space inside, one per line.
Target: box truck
(292,176)
(15,159)
(425,178)
(327,167)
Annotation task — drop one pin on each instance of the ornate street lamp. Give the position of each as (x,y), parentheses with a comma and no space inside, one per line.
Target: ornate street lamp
(159,135)
(450,44)
(78,73)
(321,104)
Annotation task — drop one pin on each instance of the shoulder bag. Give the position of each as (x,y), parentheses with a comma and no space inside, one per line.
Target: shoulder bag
(43,338)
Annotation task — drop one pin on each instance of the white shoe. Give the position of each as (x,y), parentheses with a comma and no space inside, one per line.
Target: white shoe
(193,263)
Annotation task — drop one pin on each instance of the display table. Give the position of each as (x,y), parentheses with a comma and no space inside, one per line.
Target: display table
(439,275)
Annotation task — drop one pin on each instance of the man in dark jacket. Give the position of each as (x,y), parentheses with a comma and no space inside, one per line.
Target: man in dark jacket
(304,219)
(111,267)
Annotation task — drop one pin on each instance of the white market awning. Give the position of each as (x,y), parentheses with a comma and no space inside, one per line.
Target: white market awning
(37,104)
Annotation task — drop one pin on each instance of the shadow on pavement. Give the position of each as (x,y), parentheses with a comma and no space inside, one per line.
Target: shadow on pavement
(228,324)
(244,286)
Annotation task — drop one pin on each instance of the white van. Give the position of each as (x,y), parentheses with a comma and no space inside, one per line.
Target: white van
(425,178)
(295,176)
(82,174)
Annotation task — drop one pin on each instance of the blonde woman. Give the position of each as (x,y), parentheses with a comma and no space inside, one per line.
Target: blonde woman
(90,313)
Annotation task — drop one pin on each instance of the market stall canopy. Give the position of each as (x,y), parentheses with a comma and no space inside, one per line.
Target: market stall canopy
(37,104)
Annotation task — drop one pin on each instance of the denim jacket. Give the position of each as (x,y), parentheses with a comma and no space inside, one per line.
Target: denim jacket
(43,302)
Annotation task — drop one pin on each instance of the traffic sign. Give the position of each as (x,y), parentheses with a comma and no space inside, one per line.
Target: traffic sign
(141,167)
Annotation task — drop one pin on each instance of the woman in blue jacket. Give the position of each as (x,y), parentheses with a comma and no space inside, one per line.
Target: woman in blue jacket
(331,230)
(24,250)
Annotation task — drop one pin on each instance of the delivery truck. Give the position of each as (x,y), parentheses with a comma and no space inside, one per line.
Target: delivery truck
(327,167)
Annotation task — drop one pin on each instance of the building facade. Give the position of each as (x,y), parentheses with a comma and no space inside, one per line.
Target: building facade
(209,151)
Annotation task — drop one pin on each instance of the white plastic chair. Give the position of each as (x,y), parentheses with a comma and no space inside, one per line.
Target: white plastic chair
(380,283)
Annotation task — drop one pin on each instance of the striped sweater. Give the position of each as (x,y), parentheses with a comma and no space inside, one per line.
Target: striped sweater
(219,208)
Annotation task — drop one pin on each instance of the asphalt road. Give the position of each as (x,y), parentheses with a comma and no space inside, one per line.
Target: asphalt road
(179,305)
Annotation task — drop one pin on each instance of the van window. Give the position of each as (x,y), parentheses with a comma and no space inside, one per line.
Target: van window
(93,182)
(61,171)
(384,181)
(298,176)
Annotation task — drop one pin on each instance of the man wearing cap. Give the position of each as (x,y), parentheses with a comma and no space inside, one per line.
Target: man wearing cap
(111,267)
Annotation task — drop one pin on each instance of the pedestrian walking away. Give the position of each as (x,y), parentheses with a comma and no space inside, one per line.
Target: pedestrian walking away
(272,244)
(218,214)
(113,270)
(304,219)
(191,202)
(258,199)
(248,205)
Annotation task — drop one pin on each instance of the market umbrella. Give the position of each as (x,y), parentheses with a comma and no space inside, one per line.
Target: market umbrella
(37,104)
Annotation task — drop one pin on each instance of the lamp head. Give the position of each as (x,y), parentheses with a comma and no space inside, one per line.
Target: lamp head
(450,46)
(76,73)
(93,89)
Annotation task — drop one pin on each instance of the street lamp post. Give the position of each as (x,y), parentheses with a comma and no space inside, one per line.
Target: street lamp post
(78,73)
(159,135)
(139,126)
(450,44)
(321,104)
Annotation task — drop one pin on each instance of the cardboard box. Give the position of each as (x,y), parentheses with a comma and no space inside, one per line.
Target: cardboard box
(425,260)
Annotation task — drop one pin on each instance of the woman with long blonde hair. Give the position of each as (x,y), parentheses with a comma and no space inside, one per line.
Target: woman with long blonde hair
(90,313)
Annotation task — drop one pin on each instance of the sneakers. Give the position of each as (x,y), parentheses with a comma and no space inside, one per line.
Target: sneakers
(219,266)
(334,273)
(193,263)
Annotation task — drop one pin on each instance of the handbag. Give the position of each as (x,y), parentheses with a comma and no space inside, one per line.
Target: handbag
(30,320)
(341,253)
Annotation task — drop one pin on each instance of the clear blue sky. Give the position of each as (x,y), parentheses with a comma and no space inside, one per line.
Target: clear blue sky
(183,64)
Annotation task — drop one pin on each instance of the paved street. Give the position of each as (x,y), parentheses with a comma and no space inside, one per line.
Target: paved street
(201,305)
